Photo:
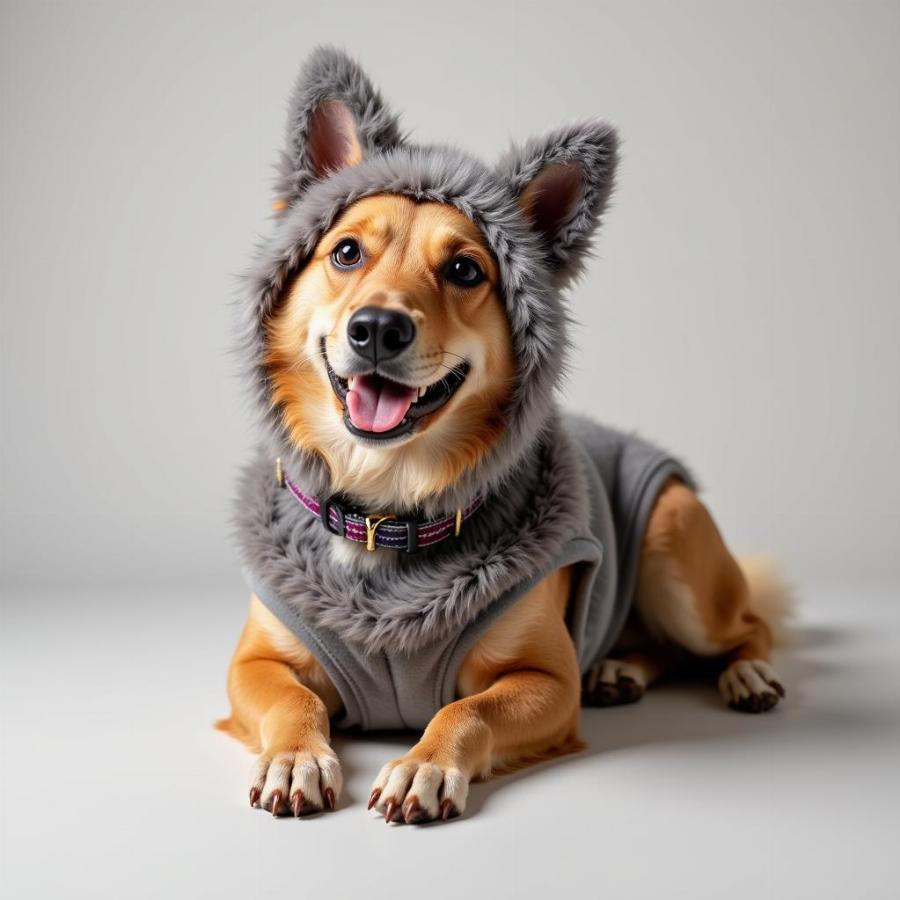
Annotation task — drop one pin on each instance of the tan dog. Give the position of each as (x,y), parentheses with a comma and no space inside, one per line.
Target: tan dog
(519,690)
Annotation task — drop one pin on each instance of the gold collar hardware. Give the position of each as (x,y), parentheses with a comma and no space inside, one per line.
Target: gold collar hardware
(372,523)
(279,472)
(457,525)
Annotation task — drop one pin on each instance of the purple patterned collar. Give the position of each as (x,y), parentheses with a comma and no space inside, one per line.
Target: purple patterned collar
(377,529)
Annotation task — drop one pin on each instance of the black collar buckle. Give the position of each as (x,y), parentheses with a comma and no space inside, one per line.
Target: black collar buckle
(325,508)
(412,534)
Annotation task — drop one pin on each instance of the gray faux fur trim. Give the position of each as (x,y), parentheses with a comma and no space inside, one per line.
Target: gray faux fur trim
(532,267)
(429,595)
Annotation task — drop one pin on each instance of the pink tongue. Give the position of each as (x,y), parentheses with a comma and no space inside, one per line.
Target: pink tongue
(378,405)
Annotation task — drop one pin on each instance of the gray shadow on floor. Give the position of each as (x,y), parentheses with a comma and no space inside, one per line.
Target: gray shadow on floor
(685,708)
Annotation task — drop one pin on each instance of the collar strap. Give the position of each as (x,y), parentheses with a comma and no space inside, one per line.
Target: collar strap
(379,530)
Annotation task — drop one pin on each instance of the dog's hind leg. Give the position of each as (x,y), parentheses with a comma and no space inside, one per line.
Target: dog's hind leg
(626,677)
(693,593)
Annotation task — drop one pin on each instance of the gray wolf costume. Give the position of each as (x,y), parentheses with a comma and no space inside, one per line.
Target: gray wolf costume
(556,490)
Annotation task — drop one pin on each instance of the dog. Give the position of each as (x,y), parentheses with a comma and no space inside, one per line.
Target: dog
(429,542)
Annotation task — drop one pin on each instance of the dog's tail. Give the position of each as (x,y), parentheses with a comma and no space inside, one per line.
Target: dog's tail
(771,597)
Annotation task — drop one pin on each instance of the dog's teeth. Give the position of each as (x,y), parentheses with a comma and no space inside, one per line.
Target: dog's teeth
(350,382)
(421,392)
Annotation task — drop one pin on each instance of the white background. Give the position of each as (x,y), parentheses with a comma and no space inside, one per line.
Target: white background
(743,310)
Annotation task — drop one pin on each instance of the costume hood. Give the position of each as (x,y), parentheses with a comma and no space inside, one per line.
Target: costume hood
(537,209)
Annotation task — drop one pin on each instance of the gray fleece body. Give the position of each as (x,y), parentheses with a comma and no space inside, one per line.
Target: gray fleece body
(393,643)
(555,492)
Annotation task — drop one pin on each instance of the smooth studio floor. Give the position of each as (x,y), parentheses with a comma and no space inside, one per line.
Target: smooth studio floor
(114,784)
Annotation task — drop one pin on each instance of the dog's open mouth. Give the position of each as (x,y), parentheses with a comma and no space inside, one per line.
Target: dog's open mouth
(378,408)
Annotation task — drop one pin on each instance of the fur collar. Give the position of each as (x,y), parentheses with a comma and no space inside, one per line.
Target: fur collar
(413,601)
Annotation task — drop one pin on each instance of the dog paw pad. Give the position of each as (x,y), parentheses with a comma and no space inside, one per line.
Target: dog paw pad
(751,685)
(613,683)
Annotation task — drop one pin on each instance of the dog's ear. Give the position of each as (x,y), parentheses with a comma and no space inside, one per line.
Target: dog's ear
(563,180)
(336,118)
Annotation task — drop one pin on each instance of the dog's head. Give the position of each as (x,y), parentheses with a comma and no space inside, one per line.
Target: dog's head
(406,326)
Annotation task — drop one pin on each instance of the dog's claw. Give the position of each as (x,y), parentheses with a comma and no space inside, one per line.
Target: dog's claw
(413,812)
(373,797)
(448,810)
(276,802)
(330,801)
(390,809)
(254,795)
(297,803)
(755,703)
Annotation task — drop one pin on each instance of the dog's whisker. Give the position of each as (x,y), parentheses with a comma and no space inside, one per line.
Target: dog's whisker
(449,368)
(300,361)
(304,359)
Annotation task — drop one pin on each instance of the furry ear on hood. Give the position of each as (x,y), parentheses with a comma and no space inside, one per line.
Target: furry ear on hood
(562,181)
(336,118)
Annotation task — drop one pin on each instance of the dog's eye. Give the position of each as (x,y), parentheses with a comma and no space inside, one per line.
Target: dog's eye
(347,254)
(463,271)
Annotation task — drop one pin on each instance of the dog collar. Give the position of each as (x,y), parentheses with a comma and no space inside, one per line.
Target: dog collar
(378,529)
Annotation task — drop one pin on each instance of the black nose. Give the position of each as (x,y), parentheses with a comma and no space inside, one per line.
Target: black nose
(378,334)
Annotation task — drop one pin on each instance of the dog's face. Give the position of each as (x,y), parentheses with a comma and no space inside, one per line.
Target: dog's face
(391,355)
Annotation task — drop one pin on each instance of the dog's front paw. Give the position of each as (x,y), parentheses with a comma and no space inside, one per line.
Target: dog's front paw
(415,790)
(750,685)
(296,781)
